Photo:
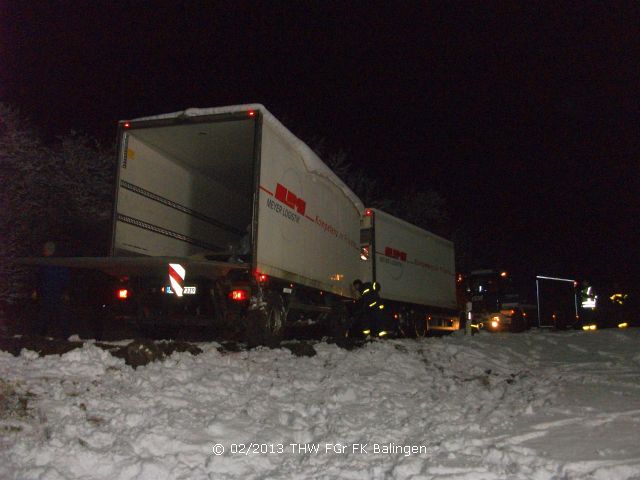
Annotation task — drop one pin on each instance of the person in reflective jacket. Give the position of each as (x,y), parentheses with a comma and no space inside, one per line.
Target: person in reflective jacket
(588,301)
(368,307)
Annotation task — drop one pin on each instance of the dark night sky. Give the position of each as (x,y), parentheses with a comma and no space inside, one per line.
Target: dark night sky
(525,118)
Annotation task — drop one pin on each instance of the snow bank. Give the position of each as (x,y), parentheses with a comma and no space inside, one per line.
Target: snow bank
(535,405)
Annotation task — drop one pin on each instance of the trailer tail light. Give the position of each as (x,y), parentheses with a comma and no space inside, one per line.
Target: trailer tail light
(251,113)
(368,212)
(261,277)
(123,294)
(126,125)
(238,295)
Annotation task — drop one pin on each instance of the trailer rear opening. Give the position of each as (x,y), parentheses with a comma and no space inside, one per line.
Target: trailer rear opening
(186,188)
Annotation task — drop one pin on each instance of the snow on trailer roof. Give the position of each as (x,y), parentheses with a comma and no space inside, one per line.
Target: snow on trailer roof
(311,160)
(411,226)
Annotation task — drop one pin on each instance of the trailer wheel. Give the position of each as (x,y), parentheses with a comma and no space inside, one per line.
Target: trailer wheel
(338,323)
(420,326)
(275,317)
(266,326)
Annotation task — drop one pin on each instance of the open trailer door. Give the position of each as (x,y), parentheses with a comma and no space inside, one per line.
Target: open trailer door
(557,303)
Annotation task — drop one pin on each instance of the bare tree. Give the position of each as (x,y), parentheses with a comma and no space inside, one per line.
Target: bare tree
(59,192)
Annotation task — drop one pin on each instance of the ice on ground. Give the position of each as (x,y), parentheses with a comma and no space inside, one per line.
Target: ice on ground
(533,405)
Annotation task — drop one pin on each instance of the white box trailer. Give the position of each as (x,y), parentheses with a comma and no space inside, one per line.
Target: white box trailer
(415,270)
(201,186)
(192,183)
(223,216)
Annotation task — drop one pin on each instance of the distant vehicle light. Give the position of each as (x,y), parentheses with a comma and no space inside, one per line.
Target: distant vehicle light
(368,212)
(589,327)
(503,274)
(126,125)
(366,332)
(238,295)
(251,113)
(382,333)
(495,324)
(623,325)
(123,294)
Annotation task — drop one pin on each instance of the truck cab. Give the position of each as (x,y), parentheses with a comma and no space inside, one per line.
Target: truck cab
(496,303)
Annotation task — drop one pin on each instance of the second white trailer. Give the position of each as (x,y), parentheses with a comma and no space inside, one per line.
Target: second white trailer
(415,270)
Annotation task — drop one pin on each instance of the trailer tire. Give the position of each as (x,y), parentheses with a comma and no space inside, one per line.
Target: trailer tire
(420,326)
(266,325)
(338,323)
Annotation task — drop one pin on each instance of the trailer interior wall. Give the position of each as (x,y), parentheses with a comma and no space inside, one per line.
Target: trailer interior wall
(184,188)
(308,226)
(412,264)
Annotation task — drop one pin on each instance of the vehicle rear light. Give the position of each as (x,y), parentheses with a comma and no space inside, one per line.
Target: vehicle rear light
(261,277)
(368,212)
(238,295)
(123,294)
(126,125)
(251,113)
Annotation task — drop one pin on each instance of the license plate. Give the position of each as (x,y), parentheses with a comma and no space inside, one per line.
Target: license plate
(186,291)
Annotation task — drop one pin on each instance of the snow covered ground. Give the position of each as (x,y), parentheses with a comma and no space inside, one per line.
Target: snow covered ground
(537,405)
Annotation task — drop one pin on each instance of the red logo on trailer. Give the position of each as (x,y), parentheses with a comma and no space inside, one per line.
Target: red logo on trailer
(290,199)
(397,254)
